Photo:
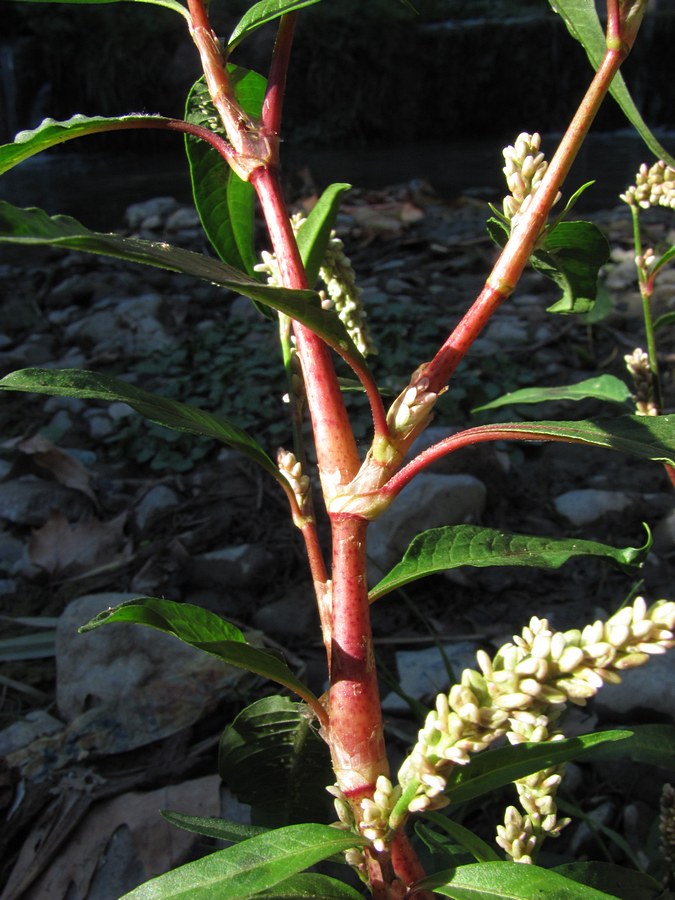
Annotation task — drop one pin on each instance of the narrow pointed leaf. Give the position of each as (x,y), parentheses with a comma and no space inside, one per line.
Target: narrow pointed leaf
(208,632)
(224,201)
(626,884)
(210,826)
(50,133)
(663,260)
(493,769)
(583,23)
(315,232)
(477,847)
(648,437)
(162,410)
(450,546)
(273,760)
(262,13)
(169,4)
(572,256)
(649,744)
(34,226)
(604,387)
(245,869)
(507,881)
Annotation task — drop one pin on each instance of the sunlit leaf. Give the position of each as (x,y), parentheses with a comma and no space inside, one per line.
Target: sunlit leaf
(260,14)
(51,133)
(162,410)
(493,769)
(507,881)
(206,631)
(224,201)
(603,387)
(582,20)
(169,4)
(249,867)
(211,826)
(33,226)
(572,255)
(450,546)
(314,234)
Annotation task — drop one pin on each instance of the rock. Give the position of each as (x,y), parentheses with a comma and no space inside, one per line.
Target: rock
(185,217)
(11,551)
(428,502)
(134,683)
(289,618)
(645,692)
(157,501)
(243,566)
(36,724)
(583,840)
(588,504)
(29,501)
(505,332)
(423,673)
(137,213)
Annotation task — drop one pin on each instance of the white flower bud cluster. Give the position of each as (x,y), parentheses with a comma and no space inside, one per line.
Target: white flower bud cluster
(526,686)
(654,186)
(291,468)
(354,857)
(525,167)
(376,811)
(412,407)
(637,364)
(341,291)
(343,294)
(521,834)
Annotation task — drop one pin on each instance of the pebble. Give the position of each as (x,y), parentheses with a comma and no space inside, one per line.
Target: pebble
(29,501)
(588,504)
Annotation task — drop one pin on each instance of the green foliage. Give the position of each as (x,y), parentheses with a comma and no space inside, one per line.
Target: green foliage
(451,546)
(607,388)
(247,868)
(272,759)
(208,632)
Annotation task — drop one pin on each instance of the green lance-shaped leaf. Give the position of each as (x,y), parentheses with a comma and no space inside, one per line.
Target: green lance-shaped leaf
(224,201)
(314,234)
(252,866)
(311,886)
(607,388)
(451,546)
(583,23)
(493,769)
(51,133)
(169,4)
(272,759)
(572,255)
(206,631)
(507,881)
(648,437)
(260,14)
(162,410)
(477,847)
(211,826)
(626,884)
(33,226)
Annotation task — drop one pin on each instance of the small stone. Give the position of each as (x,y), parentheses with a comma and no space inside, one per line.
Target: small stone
(36,724)
(588,504)
(645,692)
(137,213)
(288,619)
(154,504)
(424,673)
(29,501)
(245,565)
(185,217)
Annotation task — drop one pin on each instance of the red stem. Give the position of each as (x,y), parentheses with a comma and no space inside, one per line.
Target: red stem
(335,445)
(355,734)
(478,435)
(526,233)
(276,81)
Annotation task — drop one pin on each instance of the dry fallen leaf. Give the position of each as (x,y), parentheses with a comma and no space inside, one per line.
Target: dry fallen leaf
(60,464)
(61,548)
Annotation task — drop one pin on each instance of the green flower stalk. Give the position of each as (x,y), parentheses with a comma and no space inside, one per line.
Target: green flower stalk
(523,689)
